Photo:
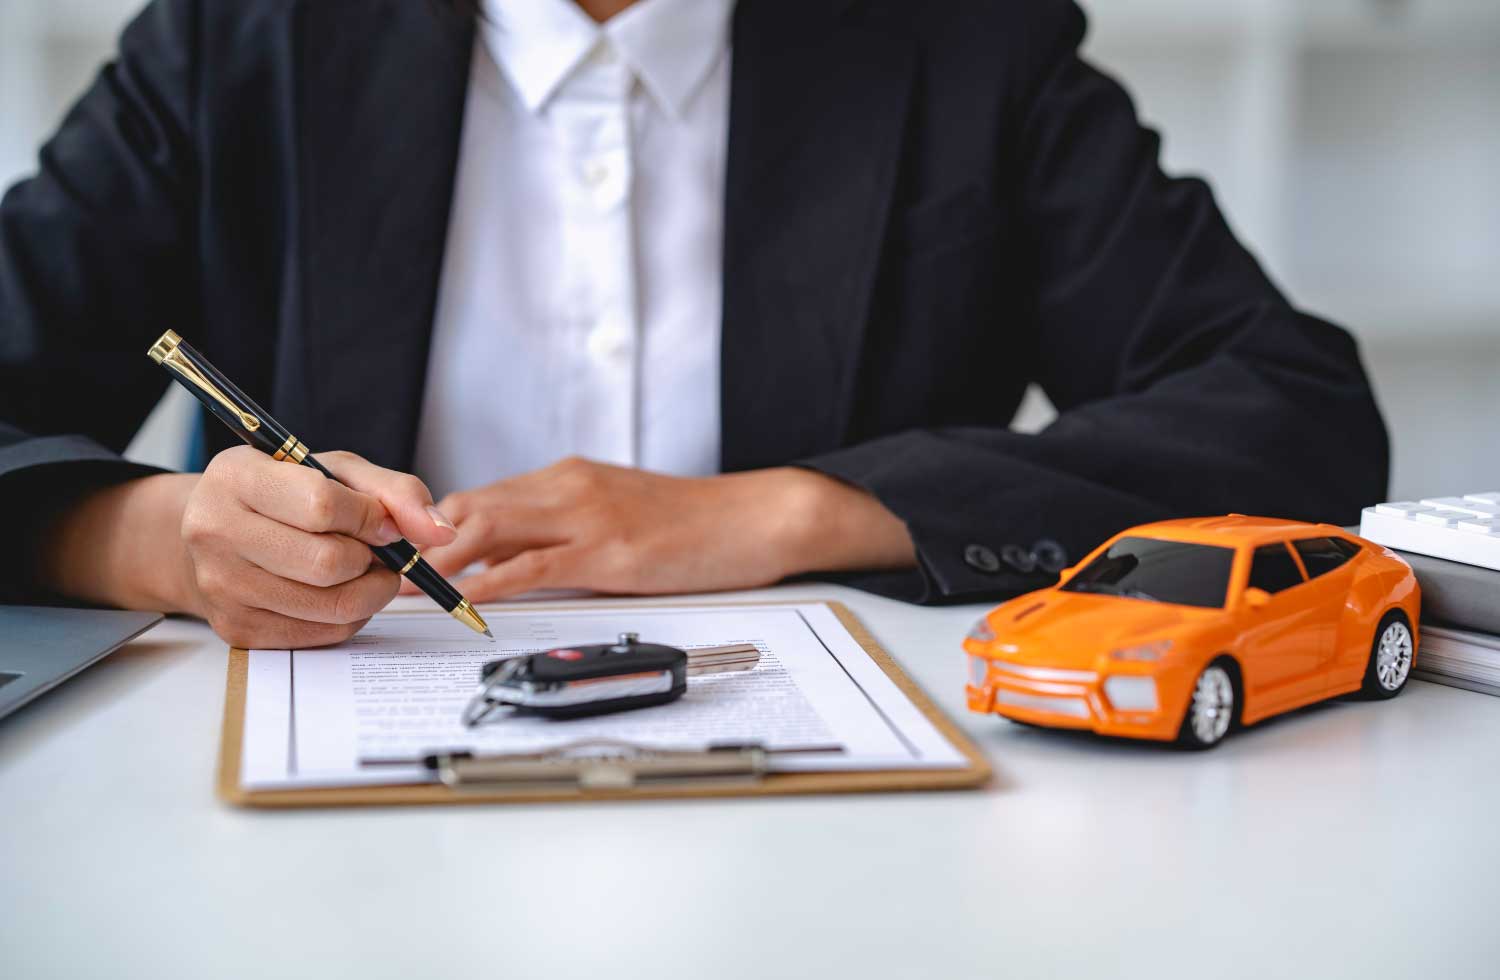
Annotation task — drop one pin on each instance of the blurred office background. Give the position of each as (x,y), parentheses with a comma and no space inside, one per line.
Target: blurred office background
(1355,144)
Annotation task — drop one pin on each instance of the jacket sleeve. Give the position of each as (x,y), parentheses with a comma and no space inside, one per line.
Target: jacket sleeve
(1185,383)
(96,260)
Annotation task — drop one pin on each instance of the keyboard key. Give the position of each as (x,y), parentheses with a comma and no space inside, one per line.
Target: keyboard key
(1477,508)
(1403,508)
(1454,533)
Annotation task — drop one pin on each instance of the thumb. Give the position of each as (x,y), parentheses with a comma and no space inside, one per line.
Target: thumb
(404,497)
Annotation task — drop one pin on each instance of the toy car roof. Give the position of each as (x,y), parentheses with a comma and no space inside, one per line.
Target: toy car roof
(1232,530)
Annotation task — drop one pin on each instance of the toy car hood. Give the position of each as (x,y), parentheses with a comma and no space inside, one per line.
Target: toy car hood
(1072,629)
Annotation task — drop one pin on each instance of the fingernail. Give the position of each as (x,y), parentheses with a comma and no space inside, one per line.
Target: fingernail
(388,532)
(439,519)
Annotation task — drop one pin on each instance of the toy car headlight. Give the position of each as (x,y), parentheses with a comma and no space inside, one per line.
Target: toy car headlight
(979,671)
(1145,651)
(981,630)
(1128,693)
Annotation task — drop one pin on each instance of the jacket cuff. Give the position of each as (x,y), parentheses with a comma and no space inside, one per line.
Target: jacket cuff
(38,479)
(986,526)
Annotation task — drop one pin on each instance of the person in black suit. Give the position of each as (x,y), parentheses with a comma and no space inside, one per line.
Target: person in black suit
(925,208)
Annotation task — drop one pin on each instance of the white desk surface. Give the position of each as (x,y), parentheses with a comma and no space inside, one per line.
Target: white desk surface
(1351,839)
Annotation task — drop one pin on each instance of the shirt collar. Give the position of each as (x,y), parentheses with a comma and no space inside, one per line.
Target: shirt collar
(670,45)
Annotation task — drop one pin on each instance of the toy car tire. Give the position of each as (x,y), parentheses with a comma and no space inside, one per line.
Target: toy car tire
(1213,709)
(1392,651)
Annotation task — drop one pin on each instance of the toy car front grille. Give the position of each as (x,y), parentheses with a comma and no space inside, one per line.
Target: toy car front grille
(1046,673)
(1073,707)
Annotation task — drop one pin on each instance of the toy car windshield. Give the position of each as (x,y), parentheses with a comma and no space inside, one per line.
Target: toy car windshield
(1153,570)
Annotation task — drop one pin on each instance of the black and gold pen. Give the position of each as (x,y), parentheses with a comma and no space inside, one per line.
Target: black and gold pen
(219,395)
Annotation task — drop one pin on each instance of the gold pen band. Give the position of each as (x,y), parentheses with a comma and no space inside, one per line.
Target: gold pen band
(292,449)
(416,556)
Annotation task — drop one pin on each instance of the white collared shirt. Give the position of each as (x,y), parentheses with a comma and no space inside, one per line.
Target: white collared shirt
(579,306)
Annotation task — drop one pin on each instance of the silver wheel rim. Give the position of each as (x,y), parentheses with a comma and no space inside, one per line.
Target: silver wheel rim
(1213,705)
(1393,656)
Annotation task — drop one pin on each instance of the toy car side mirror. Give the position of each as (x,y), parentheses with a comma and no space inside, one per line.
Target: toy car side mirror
(1257,598)
(1066,574)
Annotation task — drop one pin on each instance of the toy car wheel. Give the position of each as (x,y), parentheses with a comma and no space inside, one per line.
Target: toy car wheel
(1213,707)
(1391,655)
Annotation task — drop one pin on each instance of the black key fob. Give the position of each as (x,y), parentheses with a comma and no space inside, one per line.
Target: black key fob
(572,682)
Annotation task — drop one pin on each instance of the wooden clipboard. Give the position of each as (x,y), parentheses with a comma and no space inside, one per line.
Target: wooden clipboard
(972,776)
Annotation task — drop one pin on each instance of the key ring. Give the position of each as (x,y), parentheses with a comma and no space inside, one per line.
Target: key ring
(484,703)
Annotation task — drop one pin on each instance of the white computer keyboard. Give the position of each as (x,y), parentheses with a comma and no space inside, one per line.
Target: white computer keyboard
(1465,529)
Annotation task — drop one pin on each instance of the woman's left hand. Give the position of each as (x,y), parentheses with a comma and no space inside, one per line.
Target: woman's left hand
(583,525)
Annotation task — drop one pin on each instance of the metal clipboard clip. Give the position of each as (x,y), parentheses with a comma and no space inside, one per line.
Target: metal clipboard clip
(603,764)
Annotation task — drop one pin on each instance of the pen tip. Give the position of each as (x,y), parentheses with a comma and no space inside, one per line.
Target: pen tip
(490,635)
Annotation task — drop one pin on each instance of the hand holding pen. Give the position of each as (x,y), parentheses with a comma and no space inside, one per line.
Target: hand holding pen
(288,549)
(279,556)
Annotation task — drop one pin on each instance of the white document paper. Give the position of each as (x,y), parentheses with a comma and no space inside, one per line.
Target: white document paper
(395,692)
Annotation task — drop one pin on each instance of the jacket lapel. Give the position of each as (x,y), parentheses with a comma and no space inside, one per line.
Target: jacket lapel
(381,92)
(816,118)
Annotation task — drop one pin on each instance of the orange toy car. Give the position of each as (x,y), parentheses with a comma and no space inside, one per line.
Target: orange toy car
(1186,629)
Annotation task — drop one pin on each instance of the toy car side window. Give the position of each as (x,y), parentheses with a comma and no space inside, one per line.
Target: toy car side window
(1349,548)
(1321,555)
(1273,569)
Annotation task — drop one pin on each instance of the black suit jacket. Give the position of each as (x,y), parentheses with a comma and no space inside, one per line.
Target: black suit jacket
(928,206)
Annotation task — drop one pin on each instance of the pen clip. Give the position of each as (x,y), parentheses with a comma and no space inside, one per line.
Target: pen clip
(168,354)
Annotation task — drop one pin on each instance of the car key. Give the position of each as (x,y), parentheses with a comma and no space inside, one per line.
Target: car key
(574,682)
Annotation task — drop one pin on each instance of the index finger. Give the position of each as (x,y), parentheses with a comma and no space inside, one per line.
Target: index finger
(301,497)
(543,568)
(497,534)
(403,496)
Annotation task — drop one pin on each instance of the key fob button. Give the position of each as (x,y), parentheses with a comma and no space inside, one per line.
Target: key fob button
(571,682)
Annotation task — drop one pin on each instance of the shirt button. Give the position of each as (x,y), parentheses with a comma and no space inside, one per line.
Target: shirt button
(608,344)
(981,559)
(594,173)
